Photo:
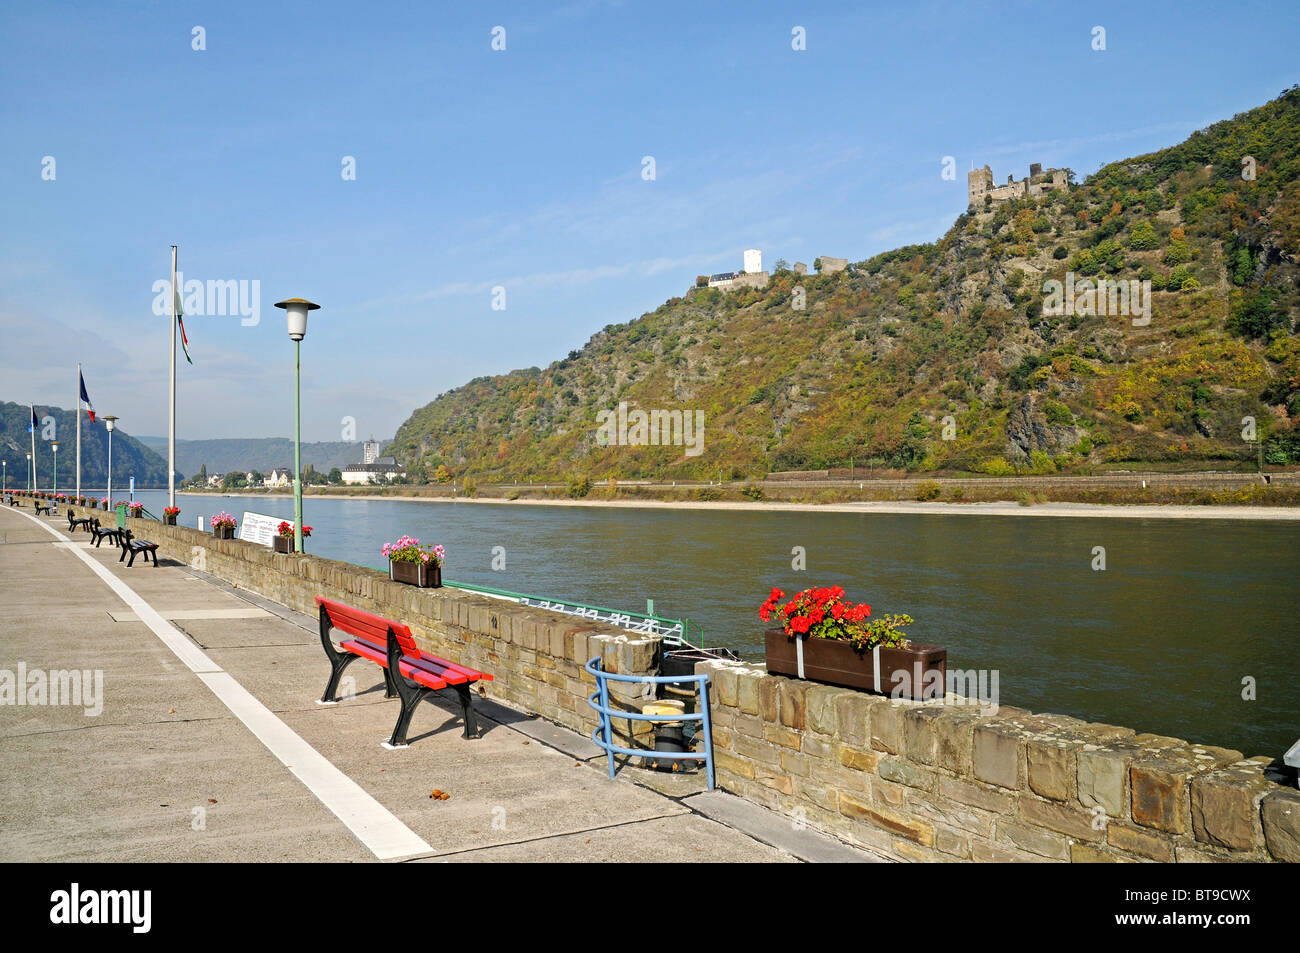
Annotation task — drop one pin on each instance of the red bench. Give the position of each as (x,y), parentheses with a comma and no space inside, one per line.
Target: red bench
(409,674)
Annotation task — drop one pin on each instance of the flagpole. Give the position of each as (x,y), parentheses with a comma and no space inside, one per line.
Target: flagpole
(35,486)
(171,417)
(78,428)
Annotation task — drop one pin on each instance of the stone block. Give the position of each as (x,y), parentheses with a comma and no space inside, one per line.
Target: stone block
(820,707)
(1052,767)
(892,821)
(995,754)
(857,759)
(747,690)
(905,772)
(1102,772)
(786,737)
(1135,840)
(1057,817)
(977,795)
(853,718)
(1160,793)
(887,727)
(768,690)
(919,736)
(1225,804)
(1043,843)
(1088,854)
(953,740)
(792,702)
(1280,815)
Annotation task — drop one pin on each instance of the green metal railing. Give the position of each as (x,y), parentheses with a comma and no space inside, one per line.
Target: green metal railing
(674,631)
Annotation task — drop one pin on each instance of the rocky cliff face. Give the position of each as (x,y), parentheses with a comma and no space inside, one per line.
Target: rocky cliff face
(873,362)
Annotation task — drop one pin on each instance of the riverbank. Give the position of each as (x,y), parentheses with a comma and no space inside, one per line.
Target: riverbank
(992,508)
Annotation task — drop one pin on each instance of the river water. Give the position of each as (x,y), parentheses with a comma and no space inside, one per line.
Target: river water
(1186,614)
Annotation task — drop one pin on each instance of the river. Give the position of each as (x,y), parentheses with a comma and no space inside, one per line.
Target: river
(1186,616)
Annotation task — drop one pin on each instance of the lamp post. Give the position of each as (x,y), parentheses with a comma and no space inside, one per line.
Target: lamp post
(29,473)
(54,445)
(295,310)
(5,464)
(110,422)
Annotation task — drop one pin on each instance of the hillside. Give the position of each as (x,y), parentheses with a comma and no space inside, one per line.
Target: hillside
(260,454)
(890,347)
(130,456)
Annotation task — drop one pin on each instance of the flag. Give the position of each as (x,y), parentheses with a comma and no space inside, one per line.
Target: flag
(35,423)
(85,398)
(180,317)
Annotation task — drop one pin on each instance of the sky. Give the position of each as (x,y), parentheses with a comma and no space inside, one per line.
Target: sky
(608,154)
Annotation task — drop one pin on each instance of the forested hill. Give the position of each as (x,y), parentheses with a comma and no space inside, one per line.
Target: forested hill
(130,456)
(890,347)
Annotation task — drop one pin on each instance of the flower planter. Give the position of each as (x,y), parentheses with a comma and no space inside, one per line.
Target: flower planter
(223,532)
(415,574)
(170,518)
(284,544)
(921,669)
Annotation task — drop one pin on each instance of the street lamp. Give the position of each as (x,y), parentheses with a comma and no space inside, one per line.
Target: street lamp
(5,464)
(295,310)
(110,422)
(54,444)
(29,473)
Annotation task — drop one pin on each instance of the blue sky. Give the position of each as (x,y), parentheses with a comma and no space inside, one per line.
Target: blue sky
(520,168)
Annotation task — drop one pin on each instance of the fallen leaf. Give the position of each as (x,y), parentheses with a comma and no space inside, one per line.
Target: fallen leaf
(438,795)
(212,800)
(171,711)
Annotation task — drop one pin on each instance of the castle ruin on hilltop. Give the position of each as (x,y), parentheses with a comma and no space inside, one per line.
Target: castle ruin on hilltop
(979,183)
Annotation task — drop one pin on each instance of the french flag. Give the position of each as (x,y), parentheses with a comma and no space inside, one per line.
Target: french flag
(85,398)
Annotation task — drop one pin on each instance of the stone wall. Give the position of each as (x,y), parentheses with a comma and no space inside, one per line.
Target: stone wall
(932,782)
(536,657)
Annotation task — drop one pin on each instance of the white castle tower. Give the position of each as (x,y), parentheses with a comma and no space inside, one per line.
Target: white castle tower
(753,261)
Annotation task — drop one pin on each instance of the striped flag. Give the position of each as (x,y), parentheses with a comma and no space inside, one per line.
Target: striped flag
(180,316)
(85,398)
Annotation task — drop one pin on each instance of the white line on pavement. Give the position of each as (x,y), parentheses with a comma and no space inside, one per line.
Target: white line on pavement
(373,824)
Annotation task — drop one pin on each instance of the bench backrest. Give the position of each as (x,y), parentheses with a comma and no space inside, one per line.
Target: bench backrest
(368,626)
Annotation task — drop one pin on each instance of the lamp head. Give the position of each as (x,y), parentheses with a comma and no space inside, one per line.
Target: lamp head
(110,421)
(295,310)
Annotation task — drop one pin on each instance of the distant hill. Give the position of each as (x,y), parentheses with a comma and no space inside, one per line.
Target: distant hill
(943,356)
(130,456)
(255,453)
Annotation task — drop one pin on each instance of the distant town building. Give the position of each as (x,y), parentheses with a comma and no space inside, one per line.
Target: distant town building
(979,183)
(371,471)
(216,479)
(370,451)
(280,476)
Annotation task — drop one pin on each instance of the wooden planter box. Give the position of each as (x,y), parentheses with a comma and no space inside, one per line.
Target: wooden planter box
(170,518)
(424,575)
(285,544)
(839,663)
(223,532)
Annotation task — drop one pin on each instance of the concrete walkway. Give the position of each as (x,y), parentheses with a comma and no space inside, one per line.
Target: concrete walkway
(210,745)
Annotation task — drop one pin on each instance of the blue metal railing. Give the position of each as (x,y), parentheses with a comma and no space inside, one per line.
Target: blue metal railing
(603,735)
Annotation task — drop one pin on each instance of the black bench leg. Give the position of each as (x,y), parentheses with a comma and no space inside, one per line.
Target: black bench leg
(123,556)
(339,662)
(131,562)
(390,686)
(467,708)
(411,698)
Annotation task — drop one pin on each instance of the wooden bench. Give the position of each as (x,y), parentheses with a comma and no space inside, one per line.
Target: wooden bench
(42,507)
(409,674)
(74,521)
(99,534)
(126,539)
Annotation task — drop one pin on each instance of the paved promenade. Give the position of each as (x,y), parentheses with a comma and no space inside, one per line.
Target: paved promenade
(207,743)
